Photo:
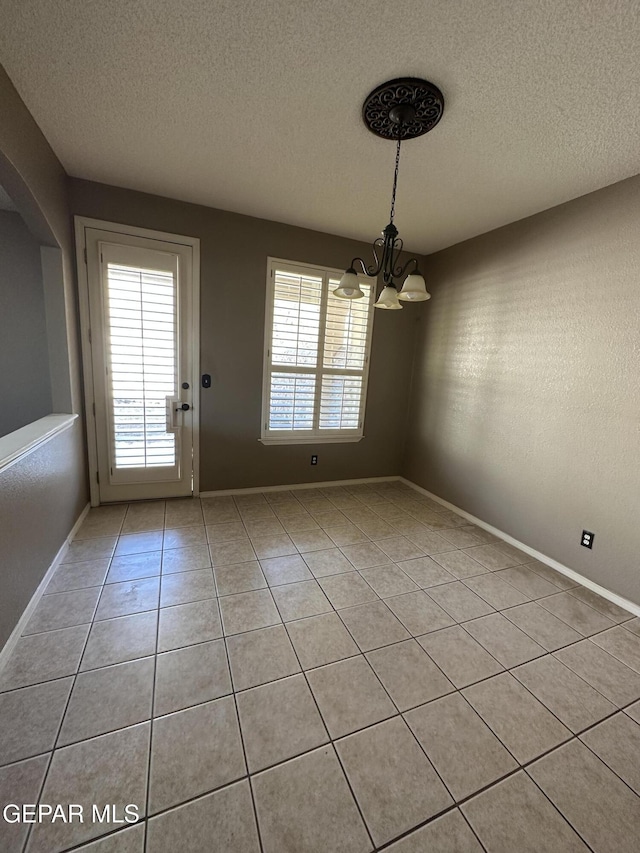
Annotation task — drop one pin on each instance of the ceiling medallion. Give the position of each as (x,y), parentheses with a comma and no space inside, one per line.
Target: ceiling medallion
(398,110)
(407,106)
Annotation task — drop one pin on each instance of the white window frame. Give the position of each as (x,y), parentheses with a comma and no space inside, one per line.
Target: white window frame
(315,435)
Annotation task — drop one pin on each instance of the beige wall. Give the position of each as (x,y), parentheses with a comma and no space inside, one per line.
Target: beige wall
(234,251)
(42,496)
(25,384)
(525,404)
(40,499)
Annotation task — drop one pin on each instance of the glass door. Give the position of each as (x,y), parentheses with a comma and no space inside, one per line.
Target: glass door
(140,308)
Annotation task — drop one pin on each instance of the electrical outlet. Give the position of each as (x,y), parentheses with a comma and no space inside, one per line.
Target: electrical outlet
(587,539)
(314,459)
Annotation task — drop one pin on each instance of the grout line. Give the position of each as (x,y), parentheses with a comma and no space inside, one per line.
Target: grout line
(153,707)
(402,717)
(244,749)
(449,810)
(337,611)
(82,844)
(331,741)
(59,729)
(303,672)
(235,701)
(602,761)
(557,809)
(468,822)
(617,709)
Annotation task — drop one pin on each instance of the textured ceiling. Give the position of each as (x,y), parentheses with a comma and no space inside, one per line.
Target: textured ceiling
(255,106)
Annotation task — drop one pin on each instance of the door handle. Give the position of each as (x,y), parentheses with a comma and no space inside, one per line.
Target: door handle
(171,425)
(183,408)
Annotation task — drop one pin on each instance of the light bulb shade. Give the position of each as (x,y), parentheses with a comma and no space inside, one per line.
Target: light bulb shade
(388,299)
(349,287)
(414,289)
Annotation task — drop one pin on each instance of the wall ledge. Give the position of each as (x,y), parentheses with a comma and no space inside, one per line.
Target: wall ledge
(630,606)
(20,443)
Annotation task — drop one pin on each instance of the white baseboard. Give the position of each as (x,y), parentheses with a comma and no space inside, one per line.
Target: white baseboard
(257,489)
(7,649)
(537,555)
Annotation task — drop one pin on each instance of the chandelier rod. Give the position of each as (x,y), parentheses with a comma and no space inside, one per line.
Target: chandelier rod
(395,175)
(399,109)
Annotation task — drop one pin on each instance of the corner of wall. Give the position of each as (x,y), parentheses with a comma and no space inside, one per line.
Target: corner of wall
(419,321)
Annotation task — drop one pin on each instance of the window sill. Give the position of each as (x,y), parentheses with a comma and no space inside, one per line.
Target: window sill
(20,443)
(314,440)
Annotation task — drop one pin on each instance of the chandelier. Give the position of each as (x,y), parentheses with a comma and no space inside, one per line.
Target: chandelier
(398,110)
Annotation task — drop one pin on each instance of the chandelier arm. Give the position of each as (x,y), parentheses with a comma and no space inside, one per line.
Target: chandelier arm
(394,266)
(362,264)
(375,269)
(402,270)
(369,271)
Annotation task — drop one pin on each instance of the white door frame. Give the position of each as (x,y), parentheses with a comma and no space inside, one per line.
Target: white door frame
(82,223)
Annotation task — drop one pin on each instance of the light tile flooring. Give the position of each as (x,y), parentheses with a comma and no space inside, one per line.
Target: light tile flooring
(342,669)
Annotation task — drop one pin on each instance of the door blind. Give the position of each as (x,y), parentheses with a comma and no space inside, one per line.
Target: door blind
(141,364)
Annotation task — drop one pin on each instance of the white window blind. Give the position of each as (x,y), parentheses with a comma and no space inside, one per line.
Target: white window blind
(141,364)
(316,356)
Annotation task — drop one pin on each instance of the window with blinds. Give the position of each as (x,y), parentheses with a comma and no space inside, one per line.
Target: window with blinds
(316,356)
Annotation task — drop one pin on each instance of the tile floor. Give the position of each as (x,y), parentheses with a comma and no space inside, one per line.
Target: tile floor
(340,669)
